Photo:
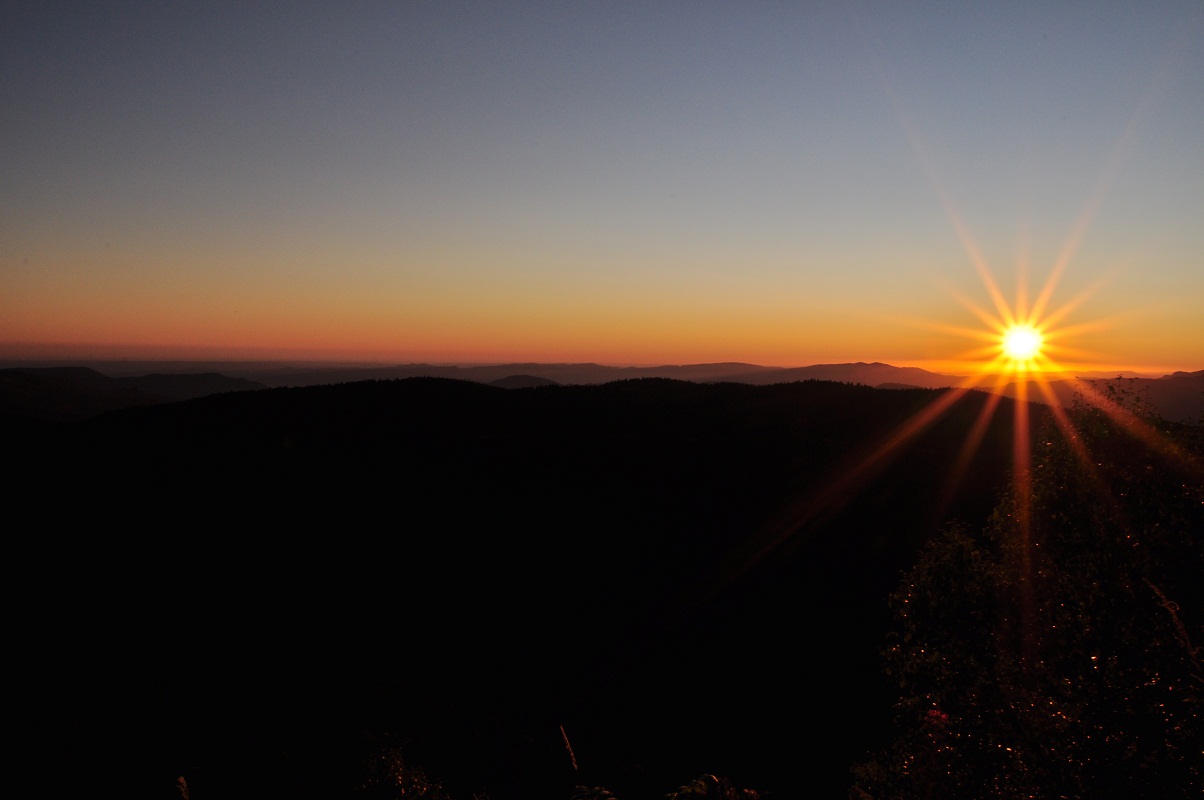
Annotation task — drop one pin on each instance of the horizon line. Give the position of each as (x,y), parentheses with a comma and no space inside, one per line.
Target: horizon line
(28,353)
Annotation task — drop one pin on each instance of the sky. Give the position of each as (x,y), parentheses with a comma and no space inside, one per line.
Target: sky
(779,183)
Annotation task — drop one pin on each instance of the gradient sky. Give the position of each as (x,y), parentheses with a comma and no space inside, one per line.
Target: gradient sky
(626,183)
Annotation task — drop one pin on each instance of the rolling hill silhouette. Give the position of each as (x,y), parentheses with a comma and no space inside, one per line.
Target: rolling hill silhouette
(66,393)
(76,392)
(256,589)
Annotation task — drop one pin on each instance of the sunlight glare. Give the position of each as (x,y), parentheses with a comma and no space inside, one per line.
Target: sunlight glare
(1022,342)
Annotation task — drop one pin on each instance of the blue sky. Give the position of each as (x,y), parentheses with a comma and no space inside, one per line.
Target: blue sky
(613,182)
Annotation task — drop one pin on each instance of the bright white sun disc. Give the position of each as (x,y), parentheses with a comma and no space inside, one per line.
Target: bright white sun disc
(1022,342)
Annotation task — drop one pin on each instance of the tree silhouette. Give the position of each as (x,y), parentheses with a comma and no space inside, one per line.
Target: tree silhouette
(1057,652)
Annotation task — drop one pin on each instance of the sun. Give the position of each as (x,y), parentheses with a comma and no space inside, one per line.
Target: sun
(1022,342)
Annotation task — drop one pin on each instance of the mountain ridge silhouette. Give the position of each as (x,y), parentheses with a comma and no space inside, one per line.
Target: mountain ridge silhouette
(654,564)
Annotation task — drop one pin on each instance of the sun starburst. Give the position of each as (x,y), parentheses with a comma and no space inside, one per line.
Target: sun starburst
(1021,343)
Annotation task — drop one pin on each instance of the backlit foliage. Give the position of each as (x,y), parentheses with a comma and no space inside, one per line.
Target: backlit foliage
(709,787)
(389,777)
(1060,658)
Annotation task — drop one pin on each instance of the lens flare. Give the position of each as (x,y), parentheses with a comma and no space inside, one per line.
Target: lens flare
(1022,342)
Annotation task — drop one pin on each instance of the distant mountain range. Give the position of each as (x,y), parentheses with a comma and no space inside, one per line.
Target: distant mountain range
(76,392)
(67,393)
(577,374)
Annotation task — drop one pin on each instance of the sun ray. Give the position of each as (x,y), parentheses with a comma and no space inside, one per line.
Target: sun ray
(1002,321)
(1018,347)
(1095,200)
(1137,427)
(968,449)
(831,497)
(1061,312)
(964,235)
(957,330)
(1078,329)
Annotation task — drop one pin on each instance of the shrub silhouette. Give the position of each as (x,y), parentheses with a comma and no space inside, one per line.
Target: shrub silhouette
(1061,660)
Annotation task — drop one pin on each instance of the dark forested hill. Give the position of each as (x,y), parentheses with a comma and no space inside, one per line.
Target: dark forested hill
(261,590)
(72,393)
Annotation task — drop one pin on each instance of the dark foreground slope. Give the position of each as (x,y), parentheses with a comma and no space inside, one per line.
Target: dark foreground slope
(260,590)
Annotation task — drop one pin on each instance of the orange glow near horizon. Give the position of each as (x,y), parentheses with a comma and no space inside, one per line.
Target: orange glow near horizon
(1022,346)
(624,324)
(1016,352)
